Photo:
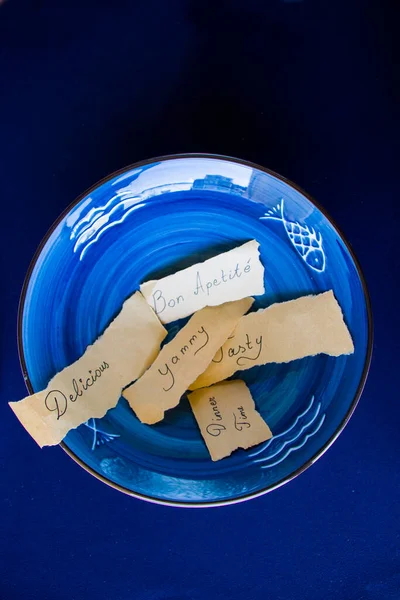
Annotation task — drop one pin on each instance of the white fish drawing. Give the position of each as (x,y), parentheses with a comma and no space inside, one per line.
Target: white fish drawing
(306,240)
(99,436)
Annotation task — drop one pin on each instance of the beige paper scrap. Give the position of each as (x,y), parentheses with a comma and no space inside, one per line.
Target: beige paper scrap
(93,384)
(281,333)
(224,278)
(227,418)
(183,359)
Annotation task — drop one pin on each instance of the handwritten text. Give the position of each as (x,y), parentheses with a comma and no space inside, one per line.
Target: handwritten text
(57,401)
(201,337)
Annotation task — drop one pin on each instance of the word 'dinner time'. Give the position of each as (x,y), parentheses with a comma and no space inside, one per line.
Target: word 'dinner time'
(227,418)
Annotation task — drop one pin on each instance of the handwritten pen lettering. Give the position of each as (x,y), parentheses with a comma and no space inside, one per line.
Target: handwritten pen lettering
(201,337)
(214,406)
(206,286)
(240,421)
(160,302)
(215,429)
(243,352)
(57,401)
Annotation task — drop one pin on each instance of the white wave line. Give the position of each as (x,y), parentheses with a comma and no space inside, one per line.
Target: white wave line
(276,437)
(310,435)
(296,437)
(98,224)
(100,233)
(88,218)
(94,227)
(99,212)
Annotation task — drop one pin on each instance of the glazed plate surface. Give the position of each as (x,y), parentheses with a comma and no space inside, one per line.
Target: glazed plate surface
(149,221)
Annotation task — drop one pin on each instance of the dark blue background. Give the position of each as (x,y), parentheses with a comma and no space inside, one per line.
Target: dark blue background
(307,88)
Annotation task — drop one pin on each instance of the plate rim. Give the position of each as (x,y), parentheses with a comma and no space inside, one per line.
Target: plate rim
(368,356)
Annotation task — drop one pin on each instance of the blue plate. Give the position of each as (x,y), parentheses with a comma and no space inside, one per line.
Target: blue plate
(153,219)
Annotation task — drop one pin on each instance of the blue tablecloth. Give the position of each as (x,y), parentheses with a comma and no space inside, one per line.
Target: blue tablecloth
(308,89)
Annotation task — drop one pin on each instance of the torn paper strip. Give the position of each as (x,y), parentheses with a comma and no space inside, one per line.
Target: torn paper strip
(183,359)
(93,384)
(227,418)
(283,332)
(224,278)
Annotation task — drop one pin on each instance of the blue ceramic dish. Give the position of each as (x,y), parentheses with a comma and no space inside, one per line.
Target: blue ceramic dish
(150,220)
